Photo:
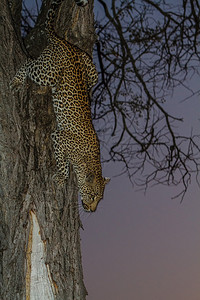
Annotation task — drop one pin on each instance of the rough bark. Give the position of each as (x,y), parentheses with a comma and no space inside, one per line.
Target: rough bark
(27,163)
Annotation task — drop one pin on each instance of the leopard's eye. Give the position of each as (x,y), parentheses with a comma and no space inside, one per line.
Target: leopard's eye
(93,197)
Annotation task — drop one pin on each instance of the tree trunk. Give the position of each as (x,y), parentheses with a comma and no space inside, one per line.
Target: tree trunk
(28,196)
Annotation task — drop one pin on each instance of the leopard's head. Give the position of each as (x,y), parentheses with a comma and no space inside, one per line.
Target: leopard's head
(92,191)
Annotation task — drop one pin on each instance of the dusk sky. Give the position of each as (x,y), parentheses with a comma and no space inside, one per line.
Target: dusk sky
(142,247)
(139,247)
(145,247)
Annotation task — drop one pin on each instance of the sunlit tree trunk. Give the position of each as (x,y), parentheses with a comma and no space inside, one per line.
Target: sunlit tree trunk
(39,223)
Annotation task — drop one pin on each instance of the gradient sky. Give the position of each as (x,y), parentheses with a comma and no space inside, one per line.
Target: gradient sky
(144,247)
(139,247)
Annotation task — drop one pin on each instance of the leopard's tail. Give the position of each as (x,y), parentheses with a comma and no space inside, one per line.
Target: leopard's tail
(52,12)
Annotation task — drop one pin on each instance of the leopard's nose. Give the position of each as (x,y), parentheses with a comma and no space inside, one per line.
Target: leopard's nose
(93,207)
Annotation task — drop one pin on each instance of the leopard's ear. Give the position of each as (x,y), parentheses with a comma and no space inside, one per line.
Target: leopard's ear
(106,180)
(90,177)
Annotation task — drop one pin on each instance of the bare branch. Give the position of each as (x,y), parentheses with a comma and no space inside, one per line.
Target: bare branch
(145,51)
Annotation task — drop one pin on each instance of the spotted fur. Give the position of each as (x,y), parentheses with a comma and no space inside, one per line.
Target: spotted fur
(71,74)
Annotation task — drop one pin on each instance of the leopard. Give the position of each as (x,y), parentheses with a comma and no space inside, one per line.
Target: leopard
(70,73)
